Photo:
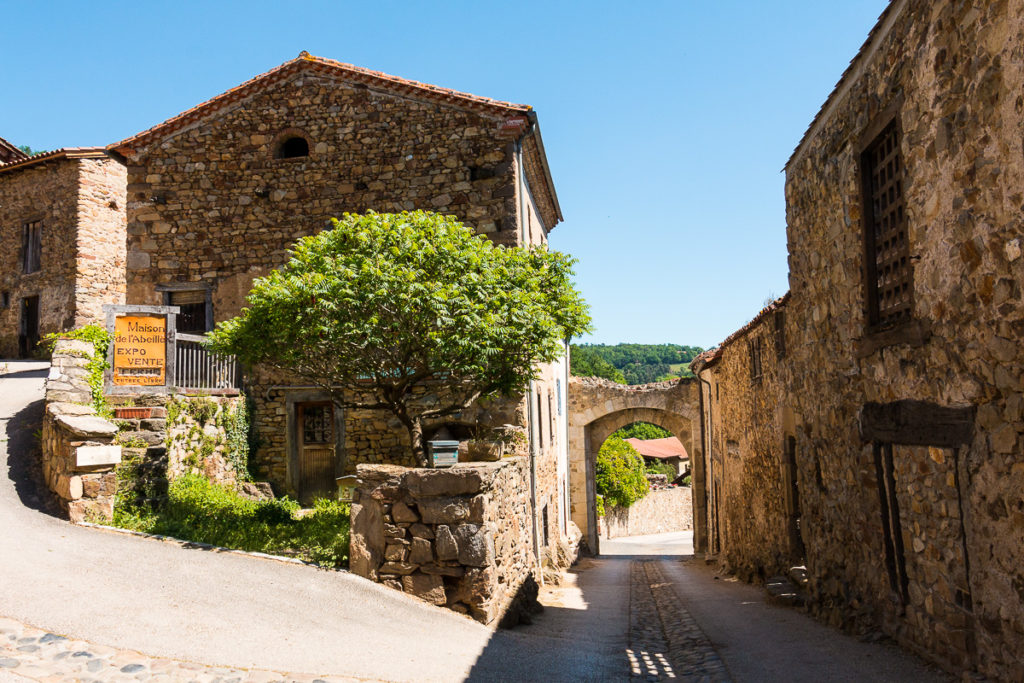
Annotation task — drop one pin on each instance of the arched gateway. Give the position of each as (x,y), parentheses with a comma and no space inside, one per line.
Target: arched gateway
(598,407)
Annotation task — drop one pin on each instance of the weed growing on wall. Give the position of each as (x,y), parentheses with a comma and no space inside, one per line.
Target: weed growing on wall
(100,339)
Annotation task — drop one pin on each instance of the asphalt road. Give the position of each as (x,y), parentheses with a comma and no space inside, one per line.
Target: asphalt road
(230,610)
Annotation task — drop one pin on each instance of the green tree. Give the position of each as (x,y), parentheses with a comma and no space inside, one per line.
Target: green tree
(29,151)
(585,363)
(411,313)
(619,473)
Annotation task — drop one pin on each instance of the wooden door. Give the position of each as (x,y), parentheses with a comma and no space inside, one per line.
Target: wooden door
(28,334)
(316,444)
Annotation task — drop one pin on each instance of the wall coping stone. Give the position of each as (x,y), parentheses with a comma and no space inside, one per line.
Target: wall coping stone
(85,425)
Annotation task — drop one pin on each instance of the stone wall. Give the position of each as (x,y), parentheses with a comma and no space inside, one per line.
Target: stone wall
(100,246)
(752,513)
(906,440)
(365,436)
(661,511)
(78,450)
(200,435)
(458,537)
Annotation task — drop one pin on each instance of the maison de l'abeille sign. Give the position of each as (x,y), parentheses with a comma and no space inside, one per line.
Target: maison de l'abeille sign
(140,350)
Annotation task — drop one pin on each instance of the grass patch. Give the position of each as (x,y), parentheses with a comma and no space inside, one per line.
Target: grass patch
(198,510)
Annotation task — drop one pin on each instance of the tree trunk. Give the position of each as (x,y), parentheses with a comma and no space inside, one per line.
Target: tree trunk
(416,438)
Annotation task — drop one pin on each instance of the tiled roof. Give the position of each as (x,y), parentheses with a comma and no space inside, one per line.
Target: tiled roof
(10,151)
(876,34)
(346,71)
(711,356)
(669,447)
(62,153)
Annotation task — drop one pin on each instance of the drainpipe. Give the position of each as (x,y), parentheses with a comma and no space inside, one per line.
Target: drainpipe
(709,484)
(533,481)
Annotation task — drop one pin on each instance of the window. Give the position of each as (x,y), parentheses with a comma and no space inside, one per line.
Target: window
(192,316)
(551,418)
(292,147)
(5,300)
(888,270)
(32,246)
(754,346)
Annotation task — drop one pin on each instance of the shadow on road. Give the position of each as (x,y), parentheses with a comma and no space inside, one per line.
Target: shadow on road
(25,374)
(23,461)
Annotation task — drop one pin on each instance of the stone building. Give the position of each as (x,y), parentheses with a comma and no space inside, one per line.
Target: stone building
(217,195)
(62,247)
(884,395)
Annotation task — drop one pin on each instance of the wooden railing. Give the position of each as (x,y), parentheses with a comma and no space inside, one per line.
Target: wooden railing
(195,368)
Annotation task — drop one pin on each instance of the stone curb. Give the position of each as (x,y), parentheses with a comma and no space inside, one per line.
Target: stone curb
(206,546)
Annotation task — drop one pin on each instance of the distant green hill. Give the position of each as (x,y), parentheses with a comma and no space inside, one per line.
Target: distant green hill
(633,363)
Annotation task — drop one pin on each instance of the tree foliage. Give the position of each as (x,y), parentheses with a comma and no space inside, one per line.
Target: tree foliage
(642,430)
(619,473)
(584,363)
(634,363)
(383,308)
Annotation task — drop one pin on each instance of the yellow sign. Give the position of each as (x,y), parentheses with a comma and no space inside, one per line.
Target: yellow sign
(140,350)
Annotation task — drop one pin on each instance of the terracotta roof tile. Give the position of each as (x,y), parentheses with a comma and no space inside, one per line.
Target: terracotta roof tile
(62,153)
(347,71)
(10,152)
(669,447)
(711,356)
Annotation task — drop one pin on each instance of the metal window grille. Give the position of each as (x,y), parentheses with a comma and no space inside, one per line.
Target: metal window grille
(887,249)
(32,246)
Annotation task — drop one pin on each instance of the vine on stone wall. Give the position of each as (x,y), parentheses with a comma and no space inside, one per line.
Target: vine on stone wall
(98,336)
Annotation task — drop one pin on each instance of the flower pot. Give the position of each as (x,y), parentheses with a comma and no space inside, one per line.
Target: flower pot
(132,413)
(485,450)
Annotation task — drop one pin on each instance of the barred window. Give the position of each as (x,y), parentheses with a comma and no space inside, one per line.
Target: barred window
(192,315)
(32,246)
(889,272)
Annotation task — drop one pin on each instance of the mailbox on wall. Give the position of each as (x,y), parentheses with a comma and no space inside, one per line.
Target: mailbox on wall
(443,453)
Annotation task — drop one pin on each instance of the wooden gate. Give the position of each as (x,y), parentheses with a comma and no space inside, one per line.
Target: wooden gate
(316,445)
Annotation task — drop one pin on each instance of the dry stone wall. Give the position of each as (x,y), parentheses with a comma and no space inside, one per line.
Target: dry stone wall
(459,537)
(78,450)
(659,512)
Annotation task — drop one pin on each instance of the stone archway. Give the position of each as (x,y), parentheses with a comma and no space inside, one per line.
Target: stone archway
(598,407)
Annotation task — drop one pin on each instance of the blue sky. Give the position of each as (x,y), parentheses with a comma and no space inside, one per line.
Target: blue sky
(666,123)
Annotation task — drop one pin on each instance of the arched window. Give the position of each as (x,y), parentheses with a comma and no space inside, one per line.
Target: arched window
(292,147)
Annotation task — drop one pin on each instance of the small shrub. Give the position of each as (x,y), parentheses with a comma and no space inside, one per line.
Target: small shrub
(100,339)
(619,473)
(200,511)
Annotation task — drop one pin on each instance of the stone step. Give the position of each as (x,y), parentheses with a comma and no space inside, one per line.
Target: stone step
(782,591)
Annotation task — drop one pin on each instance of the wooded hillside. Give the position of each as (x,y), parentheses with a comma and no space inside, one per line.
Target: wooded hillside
(633,363)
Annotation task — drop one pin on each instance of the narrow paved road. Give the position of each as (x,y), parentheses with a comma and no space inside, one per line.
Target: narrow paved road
(77,603)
